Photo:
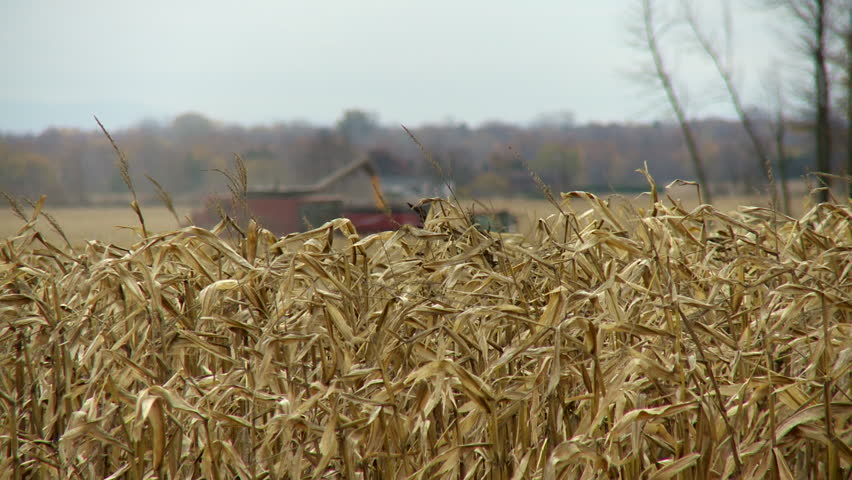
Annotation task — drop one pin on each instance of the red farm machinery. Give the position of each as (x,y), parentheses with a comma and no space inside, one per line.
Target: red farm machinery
(290,209)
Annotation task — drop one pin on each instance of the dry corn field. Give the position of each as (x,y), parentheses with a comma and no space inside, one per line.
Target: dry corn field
(612,343)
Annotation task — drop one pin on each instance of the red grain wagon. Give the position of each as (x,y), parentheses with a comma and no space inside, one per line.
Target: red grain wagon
(293,209)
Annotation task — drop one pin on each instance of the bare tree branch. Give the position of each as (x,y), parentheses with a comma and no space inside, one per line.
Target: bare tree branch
(813,17)
(725,72)
(821,85)
(650,40)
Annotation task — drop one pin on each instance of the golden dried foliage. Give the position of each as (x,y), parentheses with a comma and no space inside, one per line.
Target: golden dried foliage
(622,344)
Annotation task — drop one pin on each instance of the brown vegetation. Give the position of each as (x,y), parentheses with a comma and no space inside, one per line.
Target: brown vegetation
(611,343)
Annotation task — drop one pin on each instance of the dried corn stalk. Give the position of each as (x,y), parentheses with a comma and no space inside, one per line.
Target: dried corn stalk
(621,344)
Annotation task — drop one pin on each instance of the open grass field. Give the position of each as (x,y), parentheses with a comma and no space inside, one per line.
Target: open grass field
(105,224)
(610,342)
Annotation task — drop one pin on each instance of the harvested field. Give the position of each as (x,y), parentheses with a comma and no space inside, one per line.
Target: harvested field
(612,343)
(116,225)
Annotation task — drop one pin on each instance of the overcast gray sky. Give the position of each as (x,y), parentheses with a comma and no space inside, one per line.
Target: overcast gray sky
(257,62)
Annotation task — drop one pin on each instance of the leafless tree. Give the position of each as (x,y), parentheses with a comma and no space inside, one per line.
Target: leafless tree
(812,17)
(839,54)
(821,85)
(725,70)
(648,37)
(848,70)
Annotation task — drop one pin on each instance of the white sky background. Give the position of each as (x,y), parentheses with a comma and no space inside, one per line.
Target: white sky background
(259,62)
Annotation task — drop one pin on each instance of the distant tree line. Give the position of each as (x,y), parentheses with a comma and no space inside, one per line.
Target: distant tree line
(78,167)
